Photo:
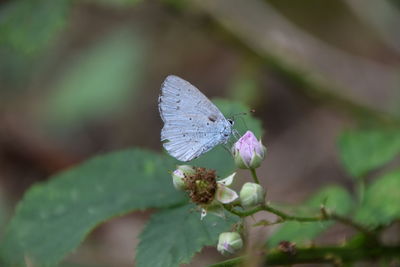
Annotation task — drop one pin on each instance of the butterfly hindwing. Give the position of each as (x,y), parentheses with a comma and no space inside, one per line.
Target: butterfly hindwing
(192,124)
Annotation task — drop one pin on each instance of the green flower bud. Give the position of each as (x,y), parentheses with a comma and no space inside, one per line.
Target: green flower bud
(248,152)
(179,175)
(229,243)
(252,194)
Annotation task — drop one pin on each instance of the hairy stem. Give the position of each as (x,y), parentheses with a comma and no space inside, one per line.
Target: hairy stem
(324,216)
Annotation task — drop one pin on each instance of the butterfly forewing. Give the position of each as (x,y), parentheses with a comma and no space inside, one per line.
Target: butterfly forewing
(192,123)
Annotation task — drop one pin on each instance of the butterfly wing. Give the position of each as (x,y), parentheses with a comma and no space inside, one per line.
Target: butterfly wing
(192,123)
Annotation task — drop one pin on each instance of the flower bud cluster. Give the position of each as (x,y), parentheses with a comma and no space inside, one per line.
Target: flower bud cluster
(211,194)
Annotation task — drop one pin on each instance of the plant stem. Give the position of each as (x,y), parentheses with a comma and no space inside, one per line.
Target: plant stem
(254,174)
(245,213)
(287,217)
(279,213)
(324,216)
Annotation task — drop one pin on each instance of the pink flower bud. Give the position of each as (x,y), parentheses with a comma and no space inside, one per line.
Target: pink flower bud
(248,152)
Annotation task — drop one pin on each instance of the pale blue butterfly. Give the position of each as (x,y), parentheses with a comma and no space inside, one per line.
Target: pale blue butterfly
(193,125)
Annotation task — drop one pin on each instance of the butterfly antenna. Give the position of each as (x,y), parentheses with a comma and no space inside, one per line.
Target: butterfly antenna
(240,116)
(236,134)
(244,122)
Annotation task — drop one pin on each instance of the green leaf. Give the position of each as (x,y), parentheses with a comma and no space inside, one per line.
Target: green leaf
(55,216)
(334,198)
(98,83)
(219,158)
(173,236)
(381,201)
(28,26)
(364,151)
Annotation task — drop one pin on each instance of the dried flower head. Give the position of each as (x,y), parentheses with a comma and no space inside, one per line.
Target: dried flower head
(201,185)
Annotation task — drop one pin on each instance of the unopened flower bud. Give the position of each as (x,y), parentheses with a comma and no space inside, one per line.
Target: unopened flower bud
(229,243)
(252,194)
(248,152)
(179,175)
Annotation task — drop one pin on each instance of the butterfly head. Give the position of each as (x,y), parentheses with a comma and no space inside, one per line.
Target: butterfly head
(227,130)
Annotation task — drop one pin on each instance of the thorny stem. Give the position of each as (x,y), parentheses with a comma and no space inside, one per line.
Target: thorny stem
(265,207)
(324,216)
(254,174)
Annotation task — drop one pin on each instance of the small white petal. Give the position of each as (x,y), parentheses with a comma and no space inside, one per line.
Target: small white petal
(225,195)
(217,210)
(203,214)
(228,180)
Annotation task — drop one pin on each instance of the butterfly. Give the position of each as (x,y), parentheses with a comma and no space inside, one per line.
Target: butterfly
(193,125)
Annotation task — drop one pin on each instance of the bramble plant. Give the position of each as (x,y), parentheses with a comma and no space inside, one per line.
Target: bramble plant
(195,208)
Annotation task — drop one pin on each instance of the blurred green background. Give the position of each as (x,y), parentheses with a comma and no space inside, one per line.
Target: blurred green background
(80,78)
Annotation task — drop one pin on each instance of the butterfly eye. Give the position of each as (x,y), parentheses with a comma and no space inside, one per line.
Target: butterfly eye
(230,121)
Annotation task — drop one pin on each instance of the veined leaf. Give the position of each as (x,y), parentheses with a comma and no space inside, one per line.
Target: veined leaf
(173,236)
(55,216)
(381,201)
(364,151)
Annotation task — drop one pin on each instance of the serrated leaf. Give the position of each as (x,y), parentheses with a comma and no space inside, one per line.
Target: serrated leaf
(97,83)
(55,216)
(173,236)
(220,158)
(28,26)
(381,201)
(364,151)
(333,198)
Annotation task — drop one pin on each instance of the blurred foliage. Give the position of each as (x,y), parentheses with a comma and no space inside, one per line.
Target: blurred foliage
(4,213)
(381,201)
(366,150)
(246,86)
(15,68)
(188,232)
(97,83)
(28,25)
(65,209)
(117,3)
(334,198)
